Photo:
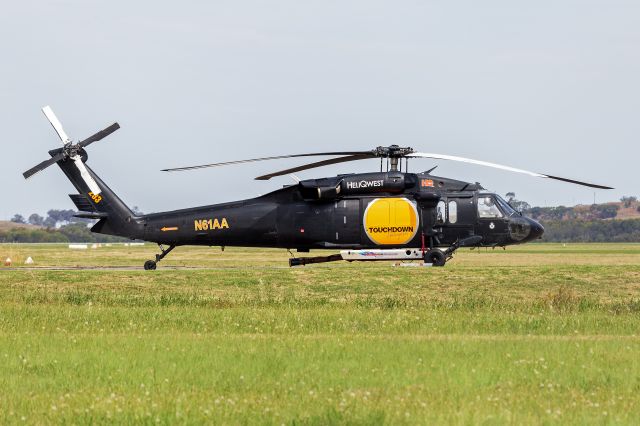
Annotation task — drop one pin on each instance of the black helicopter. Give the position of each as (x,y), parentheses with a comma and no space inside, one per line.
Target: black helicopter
(386,215)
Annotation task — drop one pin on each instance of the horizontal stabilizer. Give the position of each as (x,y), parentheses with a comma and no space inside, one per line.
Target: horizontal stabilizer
(91,215)
(82,203)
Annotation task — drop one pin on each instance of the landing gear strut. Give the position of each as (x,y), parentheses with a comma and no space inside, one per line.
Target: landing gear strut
(150,265)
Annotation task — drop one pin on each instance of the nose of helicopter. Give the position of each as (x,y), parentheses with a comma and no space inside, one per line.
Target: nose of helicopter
(523,229)
(536,230)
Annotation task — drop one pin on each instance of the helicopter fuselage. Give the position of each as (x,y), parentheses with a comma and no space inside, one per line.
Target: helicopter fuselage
(356,211)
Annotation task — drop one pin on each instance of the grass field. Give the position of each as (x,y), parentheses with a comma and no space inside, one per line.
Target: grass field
(542,333)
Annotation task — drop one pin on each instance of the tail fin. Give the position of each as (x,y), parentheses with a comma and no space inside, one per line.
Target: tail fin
(115,218)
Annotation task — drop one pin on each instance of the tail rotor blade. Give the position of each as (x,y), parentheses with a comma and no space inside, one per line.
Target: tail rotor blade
(100,135)
(57,126)
(88,179)
(46,163)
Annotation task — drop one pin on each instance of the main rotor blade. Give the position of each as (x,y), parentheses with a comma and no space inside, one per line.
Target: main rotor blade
(278,157)
(501,167)
(46,163)
(354,157)
(100,135)
(577,182)
(57,126)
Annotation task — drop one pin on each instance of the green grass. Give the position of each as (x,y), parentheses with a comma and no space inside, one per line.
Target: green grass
(542,333)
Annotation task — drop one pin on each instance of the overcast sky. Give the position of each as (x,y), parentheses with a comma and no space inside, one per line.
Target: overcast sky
(548,86)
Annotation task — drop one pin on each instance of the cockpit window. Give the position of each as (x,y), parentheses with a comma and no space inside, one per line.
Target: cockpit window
(506,207)
(487,207)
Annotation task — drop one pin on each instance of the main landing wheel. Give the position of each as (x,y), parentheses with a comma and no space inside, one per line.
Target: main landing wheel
(435,257)
(149,265)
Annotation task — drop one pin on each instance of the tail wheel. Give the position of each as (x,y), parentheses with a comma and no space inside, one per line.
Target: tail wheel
(435,257)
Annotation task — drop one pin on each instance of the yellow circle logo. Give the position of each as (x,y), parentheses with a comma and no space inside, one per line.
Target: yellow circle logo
(391,221)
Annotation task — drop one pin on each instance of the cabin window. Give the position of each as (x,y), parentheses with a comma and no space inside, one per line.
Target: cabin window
(440,212)
(487,208)
(453,212)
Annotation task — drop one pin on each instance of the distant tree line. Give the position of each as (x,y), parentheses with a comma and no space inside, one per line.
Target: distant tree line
(54,218)
(628,201)
(594,223)
(59,226)
(70,233)
(593,212)
(592,231)
(582,212)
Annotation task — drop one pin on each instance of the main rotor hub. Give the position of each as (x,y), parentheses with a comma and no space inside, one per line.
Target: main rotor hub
(392,151)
